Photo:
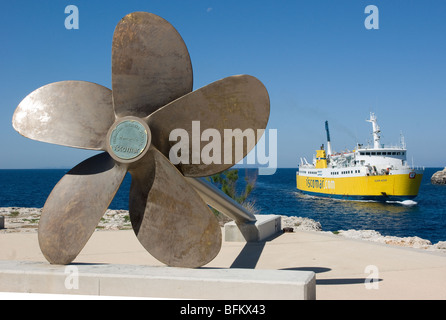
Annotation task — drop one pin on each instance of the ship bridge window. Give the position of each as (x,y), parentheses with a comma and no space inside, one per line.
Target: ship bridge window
(393,153)
(373,153)
(367,153)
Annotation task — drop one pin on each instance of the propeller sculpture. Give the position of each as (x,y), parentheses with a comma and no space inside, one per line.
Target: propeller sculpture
(151,96)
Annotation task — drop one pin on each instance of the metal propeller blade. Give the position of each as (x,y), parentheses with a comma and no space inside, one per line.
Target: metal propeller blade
(70,113)
(169,218)
(152,83)
(150,65)
(237,102)
(76,205)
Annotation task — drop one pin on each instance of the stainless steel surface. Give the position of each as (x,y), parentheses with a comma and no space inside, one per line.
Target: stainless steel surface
(150,65)
(220,201)
(76,205)
(70,113)
(237,102)
(150,69)
(173,223)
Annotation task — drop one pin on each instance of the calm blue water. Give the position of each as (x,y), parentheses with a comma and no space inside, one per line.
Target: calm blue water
(276,194)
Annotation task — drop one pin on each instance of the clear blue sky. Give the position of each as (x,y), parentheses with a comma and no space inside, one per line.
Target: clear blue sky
(316,58)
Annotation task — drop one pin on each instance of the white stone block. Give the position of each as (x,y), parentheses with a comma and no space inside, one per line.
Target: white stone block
(156,282)
(265,227)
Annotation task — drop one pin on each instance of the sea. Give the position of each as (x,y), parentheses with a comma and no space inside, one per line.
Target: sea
(425,216)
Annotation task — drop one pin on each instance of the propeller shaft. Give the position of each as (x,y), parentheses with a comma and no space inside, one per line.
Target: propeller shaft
(218,200)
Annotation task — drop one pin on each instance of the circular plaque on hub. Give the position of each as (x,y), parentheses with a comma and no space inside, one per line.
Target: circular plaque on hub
(128,139)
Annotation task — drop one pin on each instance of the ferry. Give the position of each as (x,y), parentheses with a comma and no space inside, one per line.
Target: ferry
(377,173)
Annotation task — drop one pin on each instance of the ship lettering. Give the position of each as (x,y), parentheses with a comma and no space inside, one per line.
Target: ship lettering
(315,183)
(329,184)
(125,149)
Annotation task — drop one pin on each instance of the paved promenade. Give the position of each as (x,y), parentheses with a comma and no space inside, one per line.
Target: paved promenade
(345,268)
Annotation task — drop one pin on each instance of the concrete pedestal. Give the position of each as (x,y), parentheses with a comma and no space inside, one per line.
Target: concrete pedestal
(265,227)
(156,282)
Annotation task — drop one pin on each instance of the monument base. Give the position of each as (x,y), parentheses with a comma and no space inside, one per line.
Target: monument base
(265,227)
(156,282)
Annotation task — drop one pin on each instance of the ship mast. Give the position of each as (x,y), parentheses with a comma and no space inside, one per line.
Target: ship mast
(376,131)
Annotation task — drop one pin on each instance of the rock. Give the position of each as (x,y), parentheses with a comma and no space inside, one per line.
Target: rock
(20,219)
(27,220)
(412,242)
(370,235)
(299,223)
(375,236)
(440,245)
(439,177)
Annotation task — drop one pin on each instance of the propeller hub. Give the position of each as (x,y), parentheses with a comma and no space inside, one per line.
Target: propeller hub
(128,139)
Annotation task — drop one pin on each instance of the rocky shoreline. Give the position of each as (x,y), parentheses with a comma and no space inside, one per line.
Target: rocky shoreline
(439,177)
(27,219)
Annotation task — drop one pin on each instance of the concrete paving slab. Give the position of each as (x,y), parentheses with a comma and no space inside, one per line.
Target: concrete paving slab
(344,268)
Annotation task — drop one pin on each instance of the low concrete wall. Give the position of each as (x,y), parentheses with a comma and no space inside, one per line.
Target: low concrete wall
(265,227)
(156,282)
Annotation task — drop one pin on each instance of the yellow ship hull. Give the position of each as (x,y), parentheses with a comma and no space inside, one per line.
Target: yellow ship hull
(395,187)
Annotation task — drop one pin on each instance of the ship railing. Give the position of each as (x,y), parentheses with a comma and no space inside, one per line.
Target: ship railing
(381,146)
(417,167)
